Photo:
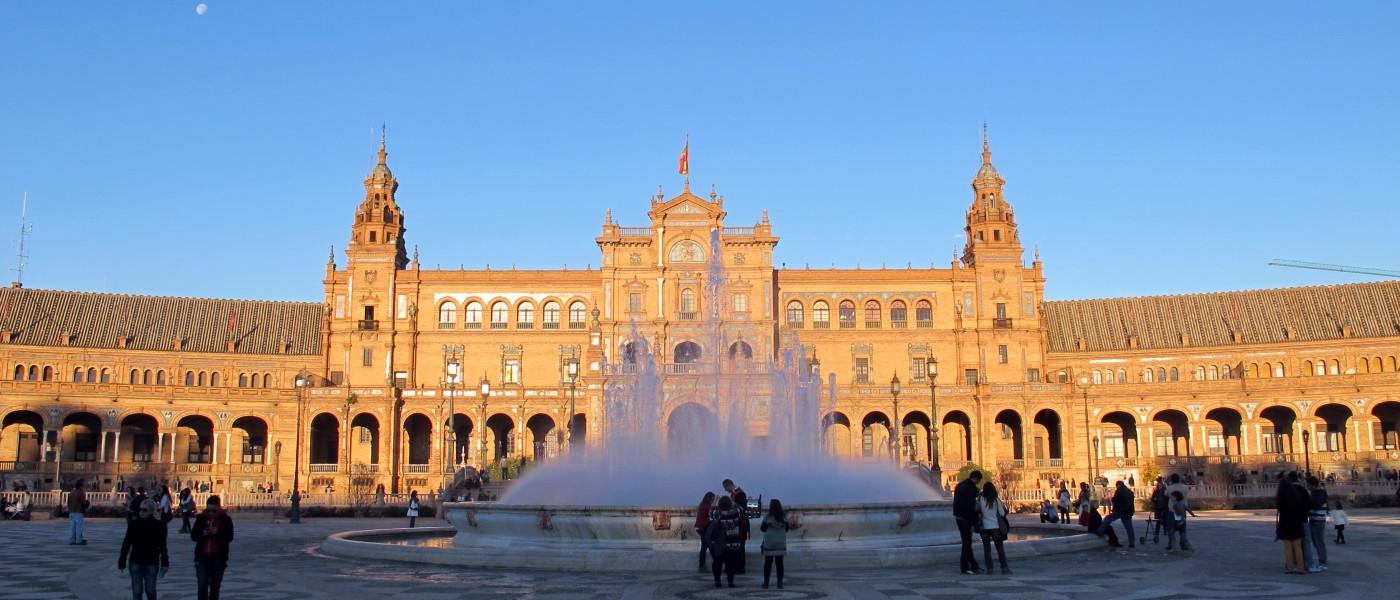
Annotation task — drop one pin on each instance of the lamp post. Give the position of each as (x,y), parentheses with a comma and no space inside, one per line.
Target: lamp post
(1096,456)
(935,473)
(571,371)
(1307,451)
(452,370)
(485,395)
(1089,463)
(57,449)
(896,436)
(295,515)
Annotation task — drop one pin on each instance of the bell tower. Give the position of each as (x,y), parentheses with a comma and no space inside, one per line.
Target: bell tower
(991,224)
(377,234)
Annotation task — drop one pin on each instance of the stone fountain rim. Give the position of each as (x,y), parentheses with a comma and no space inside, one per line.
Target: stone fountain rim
(612,508)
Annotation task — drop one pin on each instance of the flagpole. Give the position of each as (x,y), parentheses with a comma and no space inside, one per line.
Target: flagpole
(687,161)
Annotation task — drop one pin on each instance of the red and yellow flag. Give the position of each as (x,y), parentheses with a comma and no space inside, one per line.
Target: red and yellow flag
(684,163)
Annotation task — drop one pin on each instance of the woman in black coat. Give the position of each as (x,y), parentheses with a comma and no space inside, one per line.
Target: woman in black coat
(1292,512)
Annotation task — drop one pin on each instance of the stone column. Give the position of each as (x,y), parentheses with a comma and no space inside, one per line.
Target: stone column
(117,447)
(102,448)
(228,446)
(172,448)
(213,448)
(160,447)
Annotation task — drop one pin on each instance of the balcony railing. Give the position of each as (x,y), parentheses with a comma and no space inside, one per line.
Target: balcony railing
(688,316)
(900,324)
(524,325)
(415,468)
(324,468)
(1001,323)
(646,231)
(369,325)
(447,325)
(472,325)
(872,324)
(794,324)
(851,324)
(577,325)
(499,325)
(821,324)
(738,231)
(928,324)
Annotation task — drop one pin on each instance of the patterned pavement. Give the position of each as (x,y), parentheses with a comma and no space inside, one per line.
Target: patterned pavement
(1235,557)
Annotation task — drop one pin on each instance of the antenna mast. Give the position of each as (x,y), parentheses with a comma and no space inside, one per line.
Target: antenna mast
(25,228)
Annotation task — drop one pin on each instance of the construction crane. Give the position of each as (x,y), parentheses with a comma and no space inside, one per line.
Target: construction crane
(1298,264)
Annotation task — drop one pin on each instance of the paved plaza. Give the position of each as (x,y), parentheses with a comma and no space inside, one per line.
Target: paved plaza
(1235,557)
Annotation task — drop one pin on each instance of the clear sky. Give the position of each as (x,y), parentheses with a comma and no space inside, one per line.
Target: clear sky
(1147,149)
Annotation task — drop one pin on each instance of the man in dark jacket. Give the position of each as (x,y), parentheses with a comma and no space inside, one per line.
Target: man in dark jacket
(212,532)
(1122,511)
(965,513)
(741,502)
(144,546)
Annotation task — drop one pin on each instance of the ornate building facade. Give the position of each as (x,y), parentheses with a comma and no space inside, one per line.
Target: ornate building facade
(402,372)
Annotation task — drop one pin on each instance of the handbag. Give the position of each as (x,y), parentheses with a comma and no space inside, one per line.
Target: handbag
(1003,525)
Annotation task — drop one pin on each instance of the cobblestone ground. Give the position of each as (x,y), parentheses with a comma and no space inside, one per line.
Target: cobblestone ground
(1235,557)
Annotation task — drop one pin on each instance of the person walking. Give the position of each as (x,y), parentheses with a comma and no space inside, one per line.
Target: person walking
(1160,505)
(774,528)
(164,505)
(991,516)
(1298,481)
(144,549)
(726,540)
(1175,524)
(412,511)
(965,514)
(212,533)
(1339,522)
(1288,526)
(186,509)
(1085,502)
(77,505)
(741,502)
(702,521)
(1317,523)
(1122,511)
(1064,500)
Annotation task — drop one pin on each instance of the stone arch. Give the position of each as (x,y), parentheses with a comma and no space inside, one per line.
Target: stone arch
(1012,435)
(686,352)
(1179,430)
(836,432)
(1126,442)
(1047,424)
(1278,434)
(418,436)
(1388,414)
(250,435)
(915,429)
(21,437)
(875,435)
(740,350)
(194,433)
(955,443)
(543,437)
(1333,436)
(690,429)
(364,439)
(324,439)
(138,438)
(500,437)
(1231,423)
(463,427)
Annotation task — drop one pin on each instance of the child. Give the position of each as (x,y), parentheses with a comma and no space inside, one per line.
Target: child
(1176,521)
(1339,520)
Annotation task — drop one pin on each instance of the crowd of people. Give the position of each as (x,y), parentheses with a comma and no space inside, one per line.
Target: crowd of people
(722,523)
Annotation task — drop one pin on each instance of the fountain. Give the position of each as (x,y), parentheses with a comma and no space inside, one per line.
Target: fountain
(671,436)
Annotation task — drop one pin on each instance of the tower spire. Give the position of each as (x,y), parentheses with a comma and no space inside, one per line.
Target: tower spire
(383,134)
(986,147)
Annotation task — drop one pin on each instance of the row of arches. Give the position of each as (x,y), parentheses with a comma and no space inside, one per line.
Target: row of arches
(500,314)
(501,438)
(142,376)
(1308,368)
(81,437)
(956,434)
(872,312)
(687,352)
(1222,432)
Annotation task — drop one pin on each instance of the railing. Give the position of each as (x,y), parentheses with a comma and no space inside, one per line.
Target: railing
(821,324)
(447,325)
(900,324)
(634,231)
(415,468)
(499,325)
(550,325)
(324,468)
(688,316)
(1001,323)
(577,325)
(472,325)
(524,324)
(368,325)
(872,324)
(794,324)
(845,324)
(924,324)
(738,231)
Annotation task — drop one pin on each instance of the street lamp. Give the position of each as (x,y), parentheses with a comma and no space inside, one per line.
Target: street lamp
(1307,451)
(935,473)
(452,368)
(1089,463)
(1096,455)
(295,516)
(485,395)
(571,372)
(896,436)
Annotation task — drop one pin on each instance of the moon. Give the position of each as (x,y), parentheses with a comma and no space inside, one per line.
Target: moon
(201,8)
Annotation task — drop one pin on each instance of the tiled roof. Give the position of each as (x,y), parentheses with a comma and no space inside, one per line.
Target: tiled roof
(97,320)
(1262,316)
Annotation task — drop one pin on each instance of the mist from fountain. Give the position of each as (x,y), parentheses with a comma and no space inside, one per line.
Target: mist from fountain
(714,431)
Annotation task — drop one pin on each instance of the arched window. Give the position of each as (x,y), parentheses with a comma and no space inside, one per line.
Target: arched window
(447,315)
(189,378)
(1122,376)
(47,376)
(473,315)
(104,376)
(795,318)
(1161,375)
(1214,372)
(34,372)
(1308,367)
(77,375)
(1334,367)
(160,377)
(1278,370)
(899,314)
(923,313)
(1097,377)
(525,316)
(578,315)
(821,315)
(1174,374)
(91,375)
(1362,366)
(688,305)
(872,314)
(19,372)
(687,352)
(214,379)
(267,380)
(203,379)
(134,378)
(500,315)
(1200,374)
(846,314)
(1227,372)
(1147,375)
(551,315)
(146,377)
(1253,370)
(242,380)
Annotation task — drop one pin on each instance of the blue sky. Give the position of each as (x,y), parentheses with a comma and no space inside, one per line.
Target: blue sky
(1147,149)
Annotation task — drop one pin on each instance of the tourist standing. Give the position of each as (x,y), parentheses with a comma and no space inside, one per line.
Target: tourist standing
(163,505)
(186,509)
(1300,491)
(1317,523)
(1064,500)
(1176,485)
(774,528)
(702,520)
(1086,498)
(1176,521)
(726,540)
(144,548)
(412,511)
(1339,522)
(1122,511)
(741,502)
(212,532)
(1292,512)
(77,505)
(1160,504)
(991,515)
(965,514)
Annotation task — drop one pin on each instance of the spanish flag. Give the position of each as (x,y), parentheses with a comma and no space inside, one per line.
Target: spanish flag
(685,157)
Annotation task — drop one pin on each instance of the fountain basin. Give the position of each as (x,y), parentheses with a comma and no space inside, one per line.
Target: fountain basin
(661,538)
